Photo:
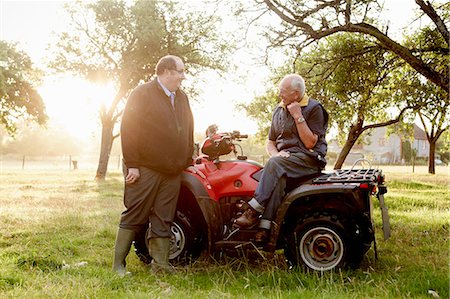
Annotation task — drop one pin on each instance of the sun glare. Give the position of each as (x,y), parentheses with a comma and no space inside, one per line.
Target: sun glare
(74,104)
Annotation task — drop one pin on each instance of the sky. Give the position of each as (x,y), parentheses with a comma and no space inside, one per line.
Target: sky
(73,103)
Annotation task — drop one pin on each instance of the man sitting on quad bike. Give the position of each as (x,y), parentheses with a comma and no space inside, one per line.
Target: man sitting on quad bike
(297,148)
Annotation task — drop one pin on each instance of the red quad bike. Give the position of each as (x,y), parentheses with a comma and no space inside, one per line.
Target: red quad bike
(324,222)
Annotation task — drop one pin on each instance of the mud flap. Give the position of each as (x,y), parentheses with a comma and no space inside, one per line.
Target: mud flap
(384,216)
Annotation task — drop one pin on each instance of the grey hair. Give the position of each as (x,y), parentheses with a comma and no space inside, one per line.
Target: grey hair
(298,83)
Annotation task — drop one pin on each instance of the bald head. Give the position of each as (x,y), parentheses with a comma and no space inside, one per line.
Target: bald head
(168,62)
(170,71)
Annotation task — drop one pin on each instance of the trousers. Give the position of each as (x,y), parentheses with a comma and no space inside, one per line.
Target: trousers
(152,199)
(271,187)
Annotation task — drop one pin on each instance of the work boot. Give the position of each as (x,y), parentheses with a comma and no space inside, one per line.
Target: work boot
(262,235)
(242,205)
(123,244)
(249,218)
(159,251)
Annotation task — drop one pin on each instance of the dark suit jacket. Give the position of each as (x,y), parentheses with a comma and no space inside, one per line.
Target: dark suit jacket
(153,133)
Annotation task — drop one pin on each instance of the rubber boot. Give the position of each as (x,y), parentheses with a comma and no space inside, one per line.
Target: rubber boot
(159,251)
(123,244)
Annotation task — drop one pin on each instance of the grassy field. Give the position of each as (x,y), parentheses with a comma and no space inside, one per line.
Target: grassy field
(57,233)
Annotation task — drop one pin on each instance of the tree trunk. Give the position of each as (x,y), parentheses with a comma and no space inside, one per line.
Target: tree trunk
(353,135)
(108,120)
(105,150)
(431,156)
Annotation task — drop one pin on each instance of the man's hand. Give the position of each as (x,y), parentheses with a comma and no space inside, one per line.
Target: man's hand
(195,170)
(308,138)
(132,176)
(295,109)
(283,153)
(271,148)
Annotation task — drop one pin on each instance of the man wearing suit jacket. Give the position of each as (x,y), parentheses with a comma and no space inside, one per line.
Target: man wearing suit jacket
(157,145)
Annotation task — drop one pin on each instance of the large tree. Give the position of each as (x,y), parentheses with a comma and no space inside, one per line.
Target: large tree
(304,22)
(122,42)
(435,116)
(355,79)
(19,99)
(436,120)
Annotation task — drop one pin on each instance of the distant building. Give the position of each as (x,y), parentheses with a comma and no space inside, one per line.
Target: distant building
(380,148)
(420,143)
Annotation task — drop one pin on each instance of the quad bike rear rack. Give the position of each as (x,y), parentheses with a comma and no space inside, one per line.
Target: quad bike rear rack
(349,176)
(352,175)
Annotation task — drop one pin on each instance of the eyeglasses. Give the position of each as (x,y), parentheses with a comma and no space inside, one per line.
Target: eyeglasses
(178,71)
(287,92)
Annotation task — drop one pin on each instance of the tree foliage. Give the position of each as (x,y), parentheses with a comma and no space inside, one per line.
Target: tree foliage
(356,80)
(18,97)
(350,74)
(435,116)
(305,22)
(443,147)
(116,41)
(260,110)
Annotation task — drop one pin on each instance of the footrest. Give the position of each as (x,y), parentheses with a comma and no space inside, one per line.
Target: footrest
(233,244)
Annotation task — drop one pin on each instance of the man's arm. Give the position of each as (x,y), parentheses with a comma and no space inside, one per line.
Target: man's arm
(130,128)
(308,138)
(129,134)
(271,148)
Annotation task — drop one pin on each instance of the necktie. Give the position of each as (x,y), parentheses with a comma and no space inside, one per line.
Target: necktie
(172,99)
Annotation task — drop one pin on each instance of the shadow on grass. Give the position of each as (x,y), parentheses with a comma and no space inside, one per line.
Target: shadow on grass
(34,261)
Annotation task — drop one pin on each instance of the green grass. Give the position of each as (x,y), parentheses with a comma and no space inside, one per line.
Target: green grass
(53,221)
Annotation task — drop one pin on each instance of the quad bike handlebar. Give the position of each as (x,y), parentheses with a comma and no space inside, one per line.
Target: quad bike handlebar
(237,135)
(219,144)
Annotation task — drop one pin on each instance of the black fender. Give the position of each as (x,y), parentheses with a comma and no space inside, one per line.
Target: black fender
(204,210)
(346,198)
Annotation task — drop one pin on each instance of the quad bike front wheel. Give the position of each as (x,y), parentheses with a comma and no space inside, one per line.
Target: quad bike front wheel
(180,235)
(319,243)
(184,243)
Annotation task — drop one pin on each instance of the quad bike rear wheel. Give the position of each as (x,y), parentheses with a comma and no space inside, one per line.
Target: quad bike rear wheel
(319,242)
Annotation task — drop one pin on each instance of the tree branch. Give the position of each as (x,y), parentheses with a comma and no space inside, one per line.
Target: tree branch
(395,120)
(348,11)
(419,65)
(403,52)
(431,12)
(293,21)
(115,136)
